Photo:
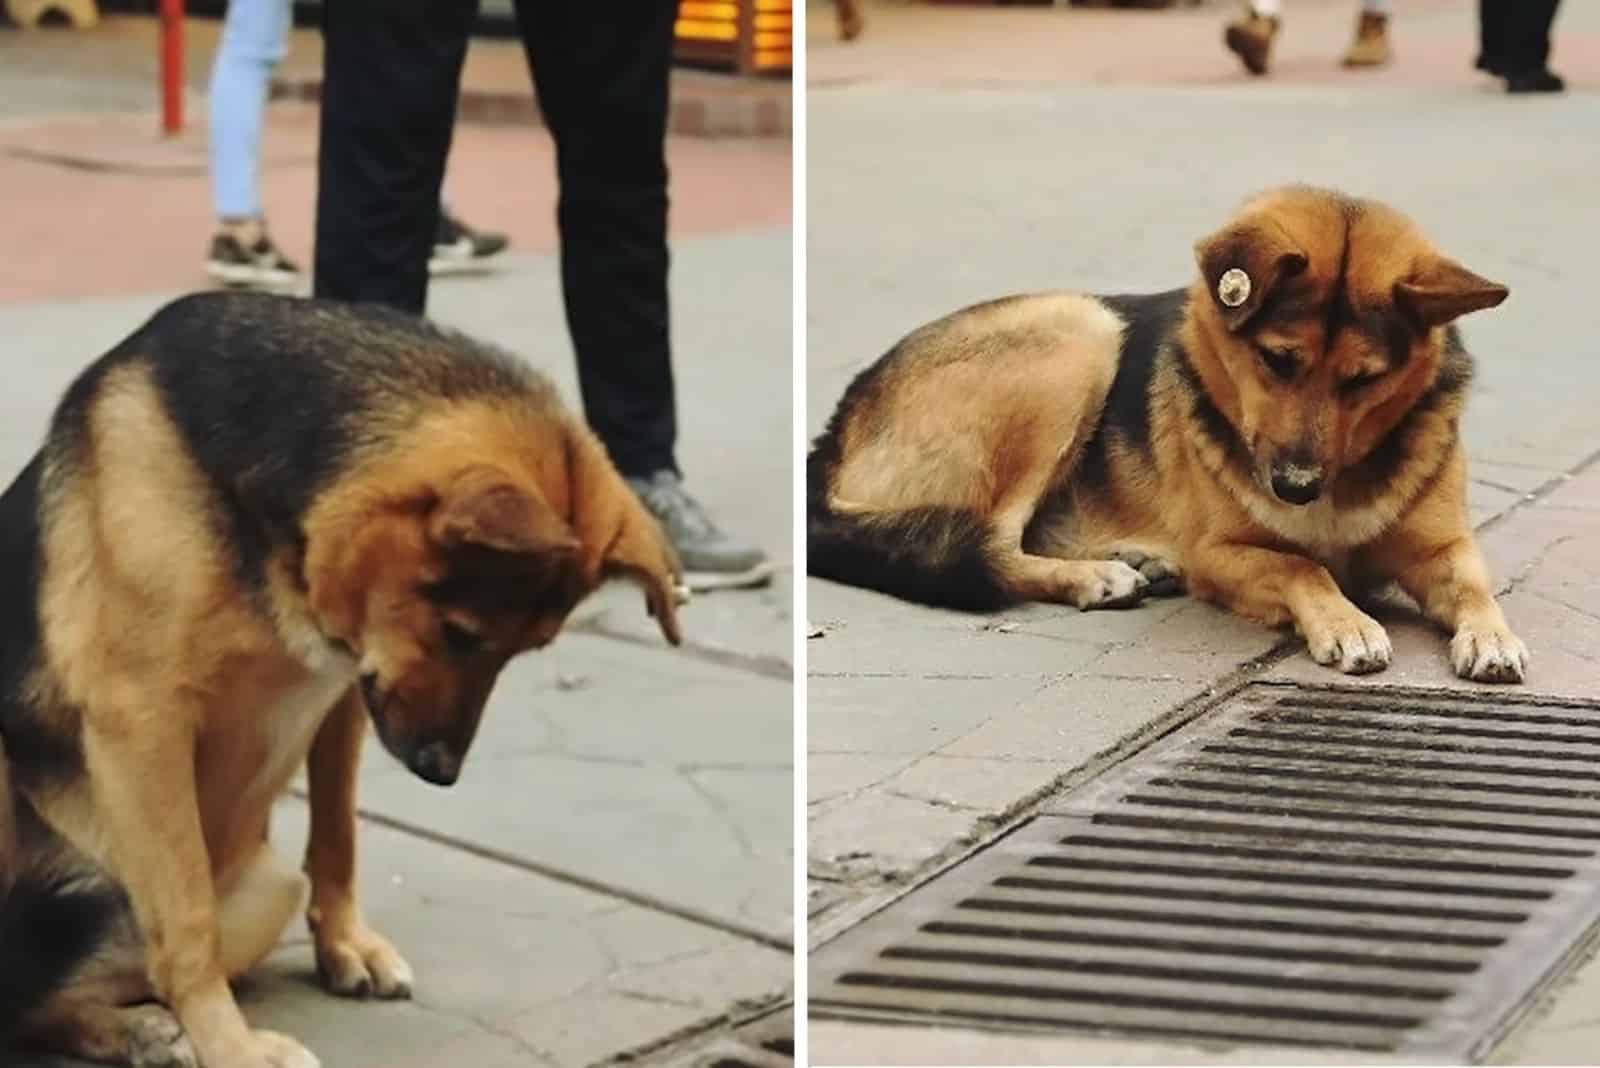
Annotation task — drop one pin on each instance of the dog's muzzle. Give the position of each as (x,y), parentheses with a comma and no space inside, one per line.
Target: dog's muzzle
(433,761)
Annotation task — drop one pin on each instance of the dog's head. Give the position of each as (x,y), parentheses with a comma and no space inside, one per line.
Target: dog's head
(1319,329)
(437,581)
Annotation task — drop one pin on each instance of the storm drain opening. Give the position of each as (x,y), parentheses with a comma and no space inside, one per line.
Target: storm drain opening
(765,1042)
(1373,870)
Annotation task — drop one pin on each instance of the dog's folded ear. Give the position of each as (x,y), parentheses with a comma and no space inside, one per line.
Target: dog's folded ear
(1440,291)
(620,538)
(1244,262)
(486,508)
(642,555)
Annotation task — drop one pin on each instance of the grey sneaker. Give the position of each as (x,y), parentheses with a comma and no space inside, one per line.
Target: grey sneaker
(711,559)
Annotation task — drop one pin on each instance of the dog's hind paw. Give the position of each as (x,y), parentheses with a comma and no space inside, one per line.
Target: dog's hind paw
(1106,584)
(156,1039)
(1164,576)
(1351,641)
(1491,654)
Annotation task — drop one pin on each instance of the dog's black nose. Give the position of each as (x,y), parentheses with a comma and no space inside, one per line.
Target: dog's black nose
(436,763)
(1296,488)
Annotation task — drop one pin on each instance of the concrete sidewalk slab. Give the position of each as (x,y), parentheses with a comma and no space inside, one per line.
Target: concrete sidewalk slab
(512,968)
(614,762)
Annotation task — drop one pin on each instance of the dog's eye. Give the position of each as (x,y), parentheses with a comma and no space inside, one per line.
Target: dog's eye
(1355,383)
(460,640)
(1281,362)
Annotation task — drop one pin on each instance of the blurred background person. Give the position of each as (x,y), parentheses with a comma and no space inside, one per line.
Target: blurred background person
(391,81)
(1514,40)
(255,38)
(1251,37)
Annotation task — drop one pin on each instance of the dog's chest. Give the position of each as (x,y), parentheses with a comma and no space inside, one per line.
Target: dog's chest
(263,746)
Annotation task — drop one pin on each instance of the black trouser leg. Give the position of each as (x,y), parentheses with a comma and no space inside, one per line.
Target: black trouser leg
(1492,35)
(1533,35)
(602,81)
(391,75)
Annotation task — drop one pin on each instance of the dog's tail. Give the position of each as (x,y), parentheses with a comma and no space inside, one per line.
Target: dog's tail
(935,556)
(50,921)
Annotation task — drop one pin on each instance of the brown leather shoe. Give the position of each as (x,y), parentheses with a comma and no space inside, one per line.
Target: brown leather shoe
(1250,38)
(1371,46)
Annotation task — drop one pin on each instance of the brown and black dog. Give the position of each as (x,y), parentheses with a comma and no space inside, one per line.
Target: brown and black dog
(1284,426)
(254,524)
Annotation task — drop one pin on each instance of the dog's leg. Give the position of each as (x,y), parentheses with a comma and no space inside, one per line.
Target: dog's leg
(145,799)
(351,958)
(1278,588)
(1436,560)
(93,1028)
(1084,584)
(256,907)
(1451,585)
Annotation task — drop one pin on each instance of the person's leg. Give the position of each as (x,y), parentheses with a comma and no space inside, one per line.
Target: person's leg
(1527,52)
(1370,47)
(1250,37)
(603,87)
(254,39)
(391,75)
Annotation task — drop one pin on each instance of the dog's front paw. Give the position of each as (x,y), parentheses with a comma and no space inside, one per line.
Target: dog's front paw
(1488,654)
(1348,639)
(357,962)
(275,1050)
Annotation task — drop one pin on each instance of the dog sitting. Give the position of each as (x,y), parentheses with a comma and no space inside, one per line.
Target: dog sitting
(255,524)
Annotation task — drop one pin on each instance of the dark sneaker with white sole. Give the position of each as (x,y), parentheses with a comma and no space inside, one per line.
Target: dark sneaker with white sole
(260,266)
(712,560)
(458,248)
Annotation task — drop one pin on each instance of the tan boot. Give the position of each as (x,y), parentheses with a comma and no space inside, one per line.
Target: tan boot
(1371,46)
(1250,38)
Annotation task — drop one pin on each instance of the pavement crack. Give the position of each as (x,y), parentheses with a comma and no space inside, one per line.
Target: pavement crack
(722,812)
(488,1027)
(1526,571)
(583,882)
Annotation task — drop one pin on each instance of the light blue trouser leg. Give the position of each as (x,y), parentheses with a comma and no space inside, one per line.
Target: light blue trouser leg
(255,36)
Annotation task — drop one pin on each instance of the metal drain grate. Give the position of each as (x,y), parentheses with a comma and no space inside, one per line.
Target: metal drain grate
(766,1042)
(1384,871)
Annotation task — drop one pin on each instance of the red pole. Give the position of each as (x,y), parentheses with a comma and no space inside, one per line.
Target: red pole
(171,67)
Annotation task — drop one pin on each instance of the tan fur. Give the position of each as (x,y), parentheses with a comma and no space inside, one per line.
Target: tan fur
(195,710)
(988,411)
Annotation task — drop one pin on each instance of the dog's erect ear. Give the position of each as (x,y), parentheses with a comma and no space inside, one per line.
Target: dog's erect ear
(1440,291)
(1244,262)
(486,508)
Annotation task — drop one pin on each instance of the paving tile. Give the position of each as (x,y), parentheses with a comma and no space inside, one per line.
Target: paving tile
(905,716)
(512,968)
(1071,721)
(617,762)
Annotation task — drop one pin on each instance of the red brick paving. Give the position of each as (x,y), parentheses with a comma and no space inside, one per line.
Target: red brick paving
(103,233)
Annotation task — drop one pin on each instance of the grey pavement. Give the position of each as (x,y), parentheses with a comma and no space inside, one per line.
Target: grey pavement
(931,732)
(613,873)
